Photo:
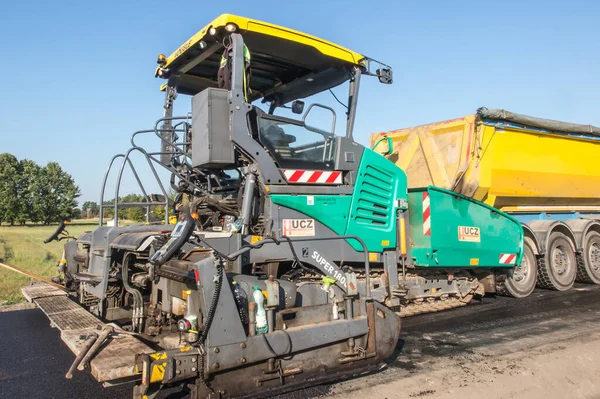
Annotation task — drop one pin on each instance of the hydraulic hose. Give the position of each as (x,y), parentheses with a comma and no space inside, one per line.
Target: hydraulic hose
(138,300)
(213,306)
(59,230)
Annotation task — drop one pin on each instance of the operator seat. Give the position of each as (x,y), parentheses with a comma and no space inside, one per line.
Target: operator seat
(279,141)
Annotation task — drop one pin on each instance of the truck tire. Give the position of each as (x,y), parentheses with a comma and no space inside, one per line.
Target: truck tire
(588,262)
(521,280)
(557,269)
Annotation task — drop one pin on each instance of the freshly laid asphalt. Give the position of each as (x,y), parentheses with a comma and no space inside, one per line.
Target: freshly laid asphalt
(34,361)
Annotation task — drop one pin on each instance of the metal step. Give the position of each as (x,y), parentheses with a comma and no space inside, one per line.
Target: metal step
(114,361)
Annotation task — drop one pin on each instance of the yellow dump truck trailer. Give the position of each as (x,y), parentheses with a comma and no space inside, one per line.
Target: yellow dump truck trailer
(543,172)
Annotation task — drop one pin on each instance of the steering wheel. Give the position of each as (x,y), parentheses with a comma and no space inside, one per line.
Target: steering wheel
(179,236)
(59,229)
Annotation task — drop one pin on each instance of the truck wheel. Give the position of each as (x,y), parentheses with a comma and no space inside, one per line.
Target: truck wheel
(557,269)
(588,263)
(521,280)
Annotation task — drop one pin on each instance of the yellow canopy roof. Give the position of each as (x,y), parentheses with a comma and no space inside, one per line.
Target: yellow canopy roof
(285,63)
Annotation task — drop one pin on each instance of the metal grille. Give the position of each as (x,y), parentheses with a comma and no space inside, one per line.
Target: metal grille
(66,314)
(114,360)
(375,198)
(40,290)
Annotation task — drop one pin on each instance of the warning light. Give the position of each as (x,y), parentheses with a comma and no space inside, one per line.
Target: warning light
(184,325)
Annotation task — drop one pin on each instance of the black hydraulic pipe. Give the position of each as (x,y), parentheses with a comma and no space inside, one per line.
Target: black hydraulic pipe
(247,201)
(138,300)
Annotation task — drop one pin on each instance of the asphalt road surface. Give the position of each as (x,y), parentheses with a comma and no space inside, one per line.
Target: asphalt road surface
(33,359)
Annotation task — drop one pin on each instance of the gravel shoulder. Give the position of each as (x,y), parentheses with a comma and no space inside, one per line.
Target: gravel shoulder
(547,346)
(550,371)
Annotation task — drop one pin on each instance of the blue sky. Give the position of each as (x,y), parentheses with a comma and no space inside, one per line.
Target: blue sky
(78,76)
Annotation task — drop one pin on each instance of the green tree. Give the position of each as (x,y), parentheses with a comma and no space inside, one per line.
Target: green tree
(76,213)
(11,207)
(29,192)
(90,209)
(137,214)
(85,208)
(29,186)
(94,209)
(58,194)
(159,212)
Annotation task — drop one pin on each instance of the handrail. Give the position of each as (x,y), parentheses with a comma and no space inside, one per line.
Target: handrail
(118,186)
(157,130)
(137,178)
(178,151)
(110,164)
(389,143)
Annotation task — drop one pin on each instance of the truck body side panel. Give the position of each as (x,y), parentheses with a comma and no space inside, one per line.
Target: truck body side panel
(512,167)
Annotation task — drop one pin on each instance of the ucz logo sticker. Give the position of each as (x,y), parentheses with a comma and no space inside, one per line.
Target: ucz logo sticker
(298,227)
(469,234)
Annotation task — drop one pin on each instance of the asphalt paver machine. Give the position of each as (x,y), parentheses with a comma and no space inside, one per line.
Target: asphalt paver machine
(295,249)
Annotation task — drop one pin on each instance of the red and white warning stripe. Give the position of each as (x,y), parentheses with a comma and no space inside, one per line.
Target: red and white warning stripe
(426,215)
(508,259)
(312,176)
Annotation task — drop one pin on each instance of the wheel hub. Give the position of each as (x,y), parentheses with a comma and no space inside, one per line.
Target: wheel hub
(594,256)
(560,260)
(520,272)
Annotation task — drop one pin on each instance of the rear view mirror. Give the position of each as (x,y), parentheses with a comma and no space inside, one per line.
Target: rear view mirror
(298,107)
(385,75)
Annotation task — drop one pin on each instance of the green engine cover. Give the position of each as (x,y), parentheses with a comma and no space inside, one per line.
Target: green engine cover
(380,185)
(450,230)
(370,213)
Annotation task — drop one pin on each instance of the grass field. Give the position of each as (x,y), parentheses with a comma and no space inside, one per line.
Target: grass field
(23,246)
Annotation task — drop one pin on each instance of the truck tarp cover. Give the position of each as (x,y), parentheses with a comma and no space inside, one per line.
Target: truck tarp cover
(549,124)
